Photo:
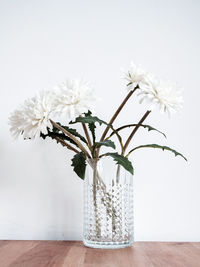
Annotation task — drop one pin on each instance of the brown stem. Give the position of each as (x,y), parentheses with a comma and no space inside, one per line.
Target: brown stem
(71,136)
(87,135)
(118,111)
(135,130)
(67,145)
(97,219)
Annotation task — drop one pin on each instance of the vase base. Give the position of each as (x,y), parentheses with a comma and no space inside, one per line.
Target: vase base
(107,245)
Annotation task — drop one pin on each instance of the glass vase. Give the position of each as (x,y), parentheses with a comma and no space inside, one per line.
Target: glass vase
(108,205)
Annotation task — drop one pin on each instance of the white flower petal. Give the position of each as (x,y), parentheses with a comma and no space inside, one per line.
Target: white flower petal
(32,118)
(135,76)
(74,98)
(165,95)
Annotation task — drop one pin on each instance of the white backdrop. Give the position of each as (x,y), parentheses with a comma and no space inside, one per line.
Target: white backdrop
(44,42)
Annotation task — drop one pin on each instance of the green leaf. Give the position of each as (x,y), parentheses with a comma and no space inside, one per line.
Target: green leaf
(121,160)
(79,164)
(91,120)
(88,119)
(150,128)
(55,133)
(74,132)
(160,147)
(92,128)
(108,143)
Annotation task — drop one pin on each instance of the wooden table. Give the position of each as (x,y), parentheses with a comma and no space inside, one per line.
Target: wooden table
(74,254)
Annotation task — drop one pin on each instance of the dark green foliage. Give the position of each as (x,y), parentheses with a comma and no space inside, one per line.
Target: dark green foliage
(150,128)
(91,120)
(121,160)
(55,133)
(79,164)
(88,119)
(108,143)
(160,147)
(74,132)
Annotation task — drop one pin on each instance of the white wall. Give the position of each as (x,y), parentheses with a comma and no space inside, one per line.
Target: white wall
(42,43)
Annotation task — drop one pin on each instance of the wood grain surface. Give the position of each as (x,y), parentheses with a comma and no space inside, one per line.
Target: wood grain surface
(74,254)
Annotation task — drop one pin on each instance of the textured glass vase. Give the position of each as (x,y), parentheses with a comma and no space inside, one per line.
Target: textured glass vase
(108,205)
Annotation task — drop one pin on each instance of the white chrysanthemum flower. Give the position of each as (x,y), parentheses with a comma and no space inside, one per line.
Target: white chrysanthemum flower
(135,76)
(165,95)
(74,98)
(32,118)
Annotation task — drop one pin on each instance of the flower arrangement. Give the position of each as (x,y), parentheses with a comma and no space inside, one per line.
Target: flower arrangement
(74,99)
